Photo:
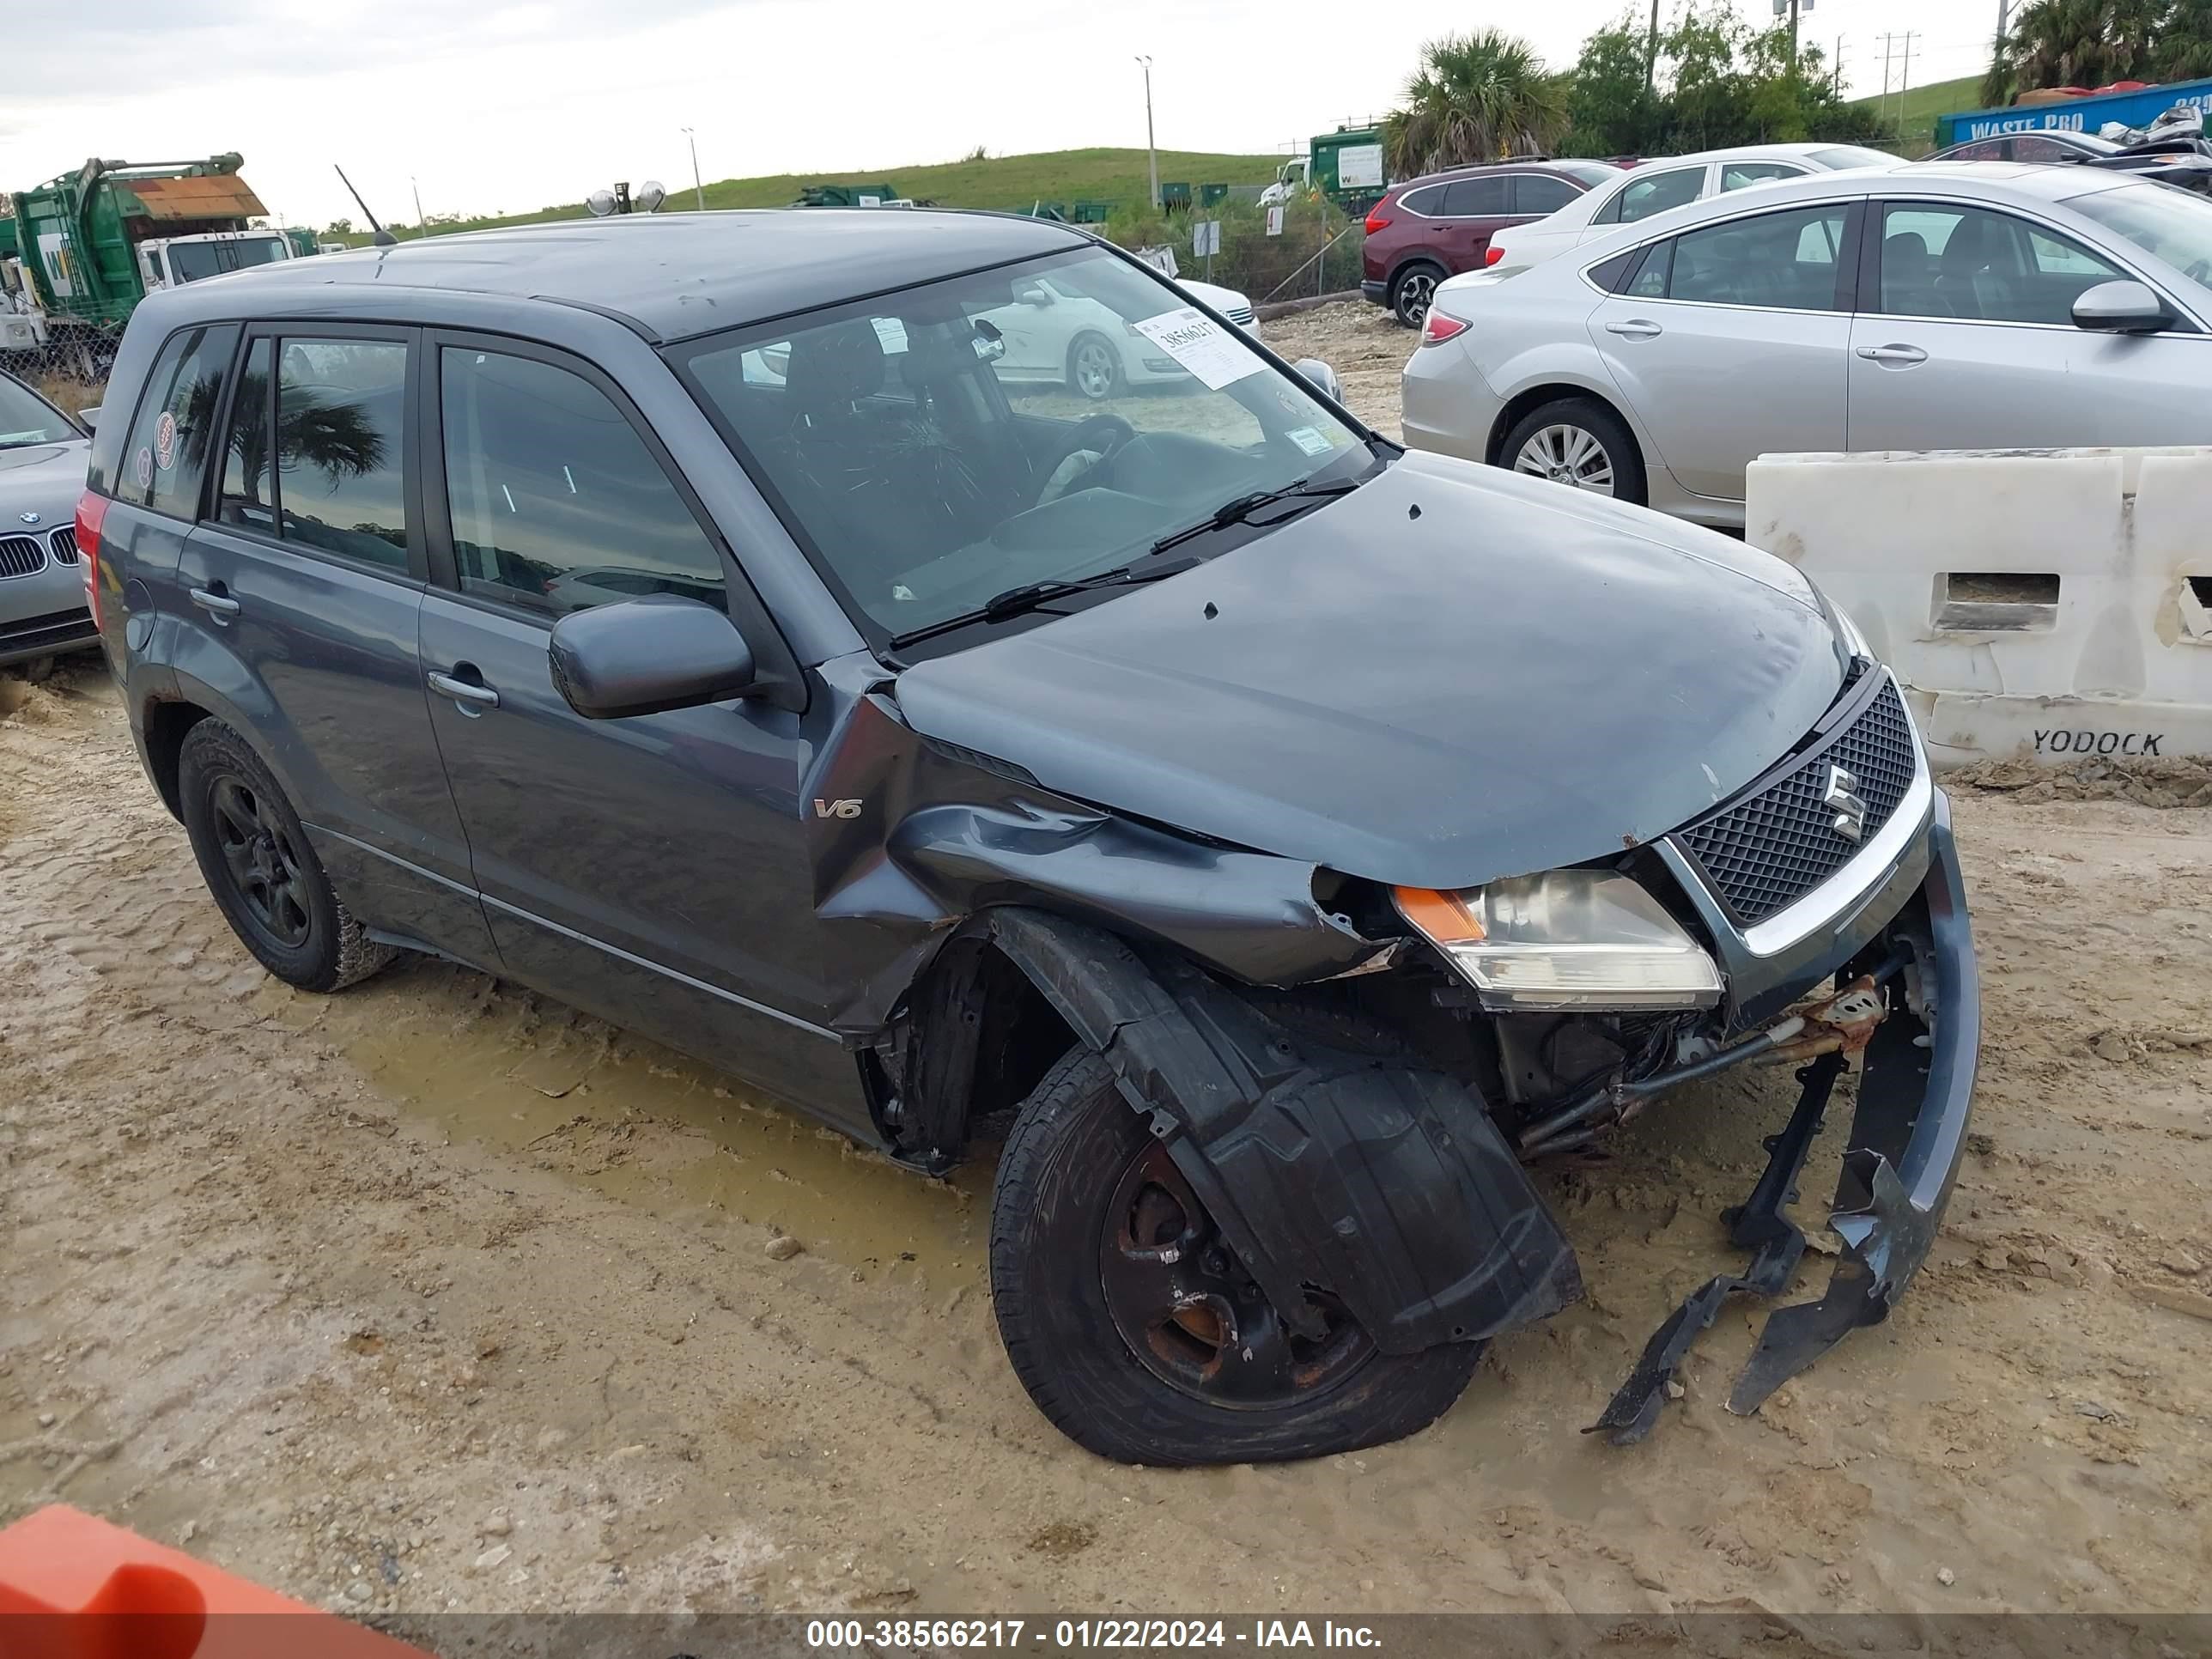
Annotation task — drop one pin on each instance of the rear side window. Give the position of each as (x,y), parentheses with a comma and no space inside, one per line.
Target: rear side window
(166,455)
(248,499)
(1786,261)
(1478,199)
(1610,274)
(1647,194)
(1735,175)
(556,501)
(1539,192)
(1429,200)
(341,427)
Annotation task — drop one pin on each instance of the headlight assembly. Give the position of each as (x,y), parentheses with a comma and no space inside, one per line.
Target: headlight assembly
(1563,941)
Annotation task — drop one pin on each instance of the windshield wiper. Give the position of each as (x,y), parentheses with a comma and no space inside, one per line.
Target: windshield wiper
(1241,510)
(1029,596)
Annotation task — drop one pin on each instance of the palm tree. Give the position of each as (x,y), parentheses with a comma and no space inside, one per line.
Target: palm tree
(2075,43)
(1476,97)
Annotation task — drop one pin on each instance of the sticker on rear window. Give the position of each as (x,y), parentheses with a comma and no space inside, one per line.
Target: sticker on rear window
(143,465)
(1210,352)
(165,441)
(1309,440)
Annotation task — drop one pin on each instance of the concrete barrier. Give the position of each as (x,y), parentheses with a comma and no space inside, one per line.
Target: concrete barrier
(2042,604)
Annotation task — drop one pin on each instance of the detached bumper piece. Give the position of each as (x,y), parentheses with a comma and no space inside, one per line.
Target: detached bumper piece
(1907,1137)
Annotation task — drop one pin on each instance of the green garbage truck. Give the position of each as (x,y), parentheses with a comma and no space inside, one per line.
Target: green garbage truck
(88,245)
(1346,166)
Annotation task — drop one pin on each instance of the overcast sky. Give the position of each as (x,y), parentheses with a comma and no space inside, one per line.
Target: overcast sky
(509,108)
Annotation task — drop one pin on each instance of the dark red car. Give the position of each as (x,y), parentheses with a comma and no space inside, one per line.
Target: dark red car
(1440,224)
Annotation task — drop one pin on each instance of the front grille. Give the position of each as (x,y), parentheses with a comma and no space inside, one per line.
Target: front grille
(63,544)
(21,556)
(1240,314)
(1765,852)
(54,628)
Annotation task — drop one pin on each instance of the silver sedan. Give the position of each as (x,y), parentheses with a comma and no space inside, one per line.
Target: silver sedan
(1973,305)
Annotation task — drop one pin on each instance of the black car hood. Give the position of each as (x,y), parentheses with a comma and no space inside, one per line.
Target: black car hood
(1514,677)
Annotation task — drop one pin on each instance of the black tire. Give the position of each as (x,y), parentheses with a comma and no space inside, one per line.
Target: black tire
(263,875)
(1094,367)
(1070,1155)
(1623,460)
(1411,290)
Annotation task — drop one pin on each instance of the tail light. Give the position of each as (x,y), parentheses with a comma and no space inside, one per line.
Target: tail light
(1377,219)
(1437,328)
(1492,254)
(91,513)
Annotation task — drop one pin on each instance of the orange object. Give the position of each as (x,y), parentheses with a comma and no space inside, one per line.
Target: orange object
(74,1587)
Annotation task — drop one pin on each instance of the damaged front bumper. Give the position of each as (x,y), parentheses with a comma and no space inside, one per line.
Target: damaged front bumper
(1908,1134)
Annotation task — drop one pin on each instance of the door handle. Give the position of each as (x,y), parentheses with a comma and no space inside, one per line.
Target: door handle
(473,697)
(217,602)
(1635,328)
(1893,354)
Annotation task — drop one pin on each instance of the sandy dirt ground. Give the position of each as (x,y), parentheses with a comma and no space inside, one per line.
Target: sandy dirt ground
(437,1295)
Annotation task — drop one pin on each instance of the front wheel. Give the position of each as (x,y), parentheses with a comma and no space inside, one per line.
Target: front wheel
(1134,1328)
(1094,368)
(1578,443)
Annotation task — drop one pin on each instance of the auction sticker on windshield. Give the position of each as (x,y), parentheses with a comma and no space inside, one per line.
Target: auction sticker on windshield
(1200,345)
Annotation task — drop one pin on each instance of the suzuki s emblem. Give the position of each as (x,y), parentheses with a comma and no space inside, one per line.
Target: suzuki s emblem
(1850,821)
(30,517)
(837,809)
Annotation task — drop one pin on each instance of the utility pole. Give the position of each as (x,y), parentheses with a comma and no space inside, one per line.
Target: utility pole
(1651,51)
(1835,68)
(421,230)
(1151,154)
(2004,19)
(1793,38)
(692,138)
(1905,84)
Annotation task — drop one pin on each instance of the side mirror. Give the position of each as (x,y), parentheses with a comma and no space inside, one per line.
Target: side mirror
(1034,294)
(1322,376)
(643,656)
(89,417)
(2120,308)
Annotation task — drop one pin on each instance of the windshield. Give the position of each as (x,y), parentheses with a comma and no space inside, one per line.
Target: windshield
(934,448)
(1592,173)
(28,418)
(189,261)
(1852,156)
(2172,224)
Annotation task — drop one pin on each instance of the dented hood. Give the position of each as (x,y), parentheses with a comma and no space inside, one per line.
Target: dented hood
(1514,678)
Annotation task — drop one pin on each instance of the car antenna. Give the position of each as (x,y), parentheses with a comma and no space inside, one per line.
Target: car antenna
(381,237)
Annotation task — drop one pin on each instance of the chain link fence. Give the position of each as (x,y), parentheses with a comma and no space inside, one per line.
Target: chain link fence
(65,358)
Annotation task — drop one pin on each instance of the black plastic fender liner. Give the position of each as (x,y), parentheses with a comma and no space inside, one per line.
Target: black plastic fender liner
(1375,1178)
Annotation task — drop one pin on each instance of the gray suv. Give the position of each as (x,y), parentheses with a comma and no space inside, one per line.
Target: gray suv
(1288,839)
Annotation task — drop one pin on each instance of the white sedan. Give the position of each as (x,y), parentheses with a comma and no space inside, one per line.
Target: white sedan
(1659,184)
(1058,337)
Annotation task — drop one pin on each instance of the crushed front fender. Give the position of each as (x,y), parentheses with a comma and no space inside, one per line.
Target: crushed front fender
(1370,1176)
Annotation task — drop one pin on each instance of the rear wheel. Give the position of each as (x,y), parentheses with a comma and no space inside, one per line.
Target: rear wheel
(258,867)
(1135,1328)
(1579,442)
(1411,290)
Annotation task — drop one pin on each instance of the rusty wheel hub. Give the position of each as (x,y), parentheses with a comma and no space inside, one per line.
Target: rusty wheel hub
(1190,1313)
